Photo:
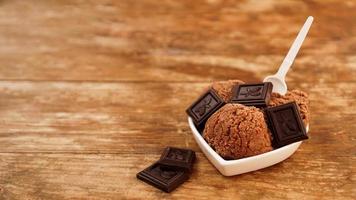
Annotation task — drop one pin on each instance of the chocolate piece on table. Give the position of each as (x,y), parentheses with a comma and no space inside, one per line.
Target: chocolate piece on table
(204,107)
(257,95)
(162,177)
(286,124)
(177,158)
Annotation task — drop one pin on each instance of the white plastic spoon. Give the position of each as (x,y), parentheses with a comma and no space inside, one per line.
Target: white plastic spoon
(278,79)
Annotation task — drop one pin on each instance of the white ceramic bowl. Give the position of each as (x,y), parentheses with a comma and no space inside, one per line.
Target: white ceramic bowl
(243,165)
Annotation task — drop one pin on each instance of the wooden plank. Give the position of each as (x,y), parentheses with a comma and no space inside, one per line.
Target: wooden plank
(171,41)
(112,176)
(136,117)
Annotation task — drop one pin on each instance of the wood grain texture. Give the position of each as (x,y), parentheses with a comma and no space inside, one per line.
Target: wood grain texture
(112,176)
(91,92)
(145,40)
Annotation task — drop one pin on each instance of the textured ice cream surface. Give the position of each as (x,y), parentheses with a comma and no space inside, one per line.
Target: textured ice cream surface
(224,88)
(237,131)
(300,97)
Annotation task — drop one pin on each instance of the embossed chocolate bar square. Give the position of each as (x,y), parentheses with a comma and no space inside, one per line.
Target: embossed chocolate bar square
(286,124)
(178,158)
(204,107)
(162,177)
(257,95)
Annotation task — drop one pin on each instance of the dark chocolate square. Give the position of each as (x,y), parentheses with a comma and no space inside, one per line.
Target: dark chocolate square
(257,95)
(161,177)
(286,124)
(178,158)
(204,107)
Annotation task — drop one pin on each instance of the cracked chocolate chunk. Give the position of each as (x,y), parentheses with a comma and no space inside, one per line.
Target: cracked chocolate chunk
(257,95)
(204,107)
(301,99)
(178,158)
(161,177)
(286,124)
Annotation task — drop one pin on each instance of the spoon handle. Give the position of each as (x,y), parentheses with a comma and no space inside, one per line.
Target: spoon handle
(292,53)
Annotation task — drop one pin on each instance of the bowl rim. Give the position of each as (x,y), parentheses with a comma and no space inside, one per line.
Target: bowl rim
(240,160)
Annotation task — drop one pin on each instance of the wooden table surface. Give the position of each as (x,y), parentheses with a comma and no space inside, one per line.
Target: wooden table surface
(91,93)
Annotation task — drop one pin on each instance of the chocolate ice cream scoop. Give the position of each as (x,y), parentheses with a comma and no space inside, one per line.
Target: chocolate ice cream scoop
(236,131)
(300,97)
(224,88)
